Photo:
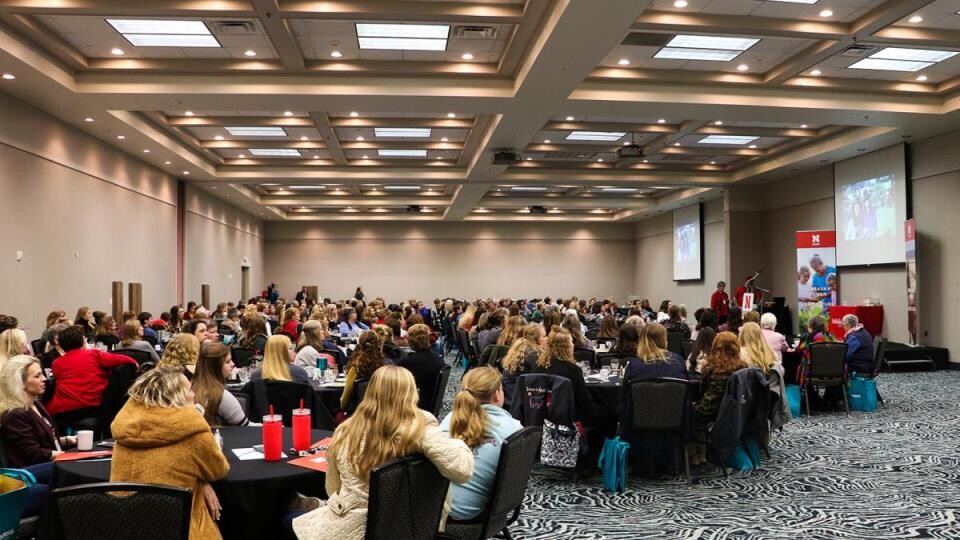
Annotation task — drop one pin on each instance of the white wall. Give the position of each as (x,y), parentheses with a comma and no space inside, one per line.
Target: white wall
(398,260)
(654,259)
(84,215)
(217,236)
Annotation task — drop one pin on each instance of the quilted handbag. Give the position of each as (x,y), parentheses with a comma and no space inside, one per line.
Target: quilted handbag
(560,445)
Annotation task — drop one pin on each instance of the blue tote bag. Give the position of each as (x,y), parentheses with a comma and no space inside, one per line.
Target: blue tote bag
(14,485)
(746,457)
(613,463)
(793,399)
(862,394)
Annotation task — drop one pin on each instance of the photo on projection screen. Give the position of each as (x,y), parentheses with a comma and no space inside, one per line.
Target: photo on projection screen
(687,243)
(870,207)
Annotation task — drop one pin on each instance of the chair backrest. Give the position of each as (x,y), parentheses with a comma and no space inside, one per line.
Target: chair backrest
(467,347)
(540,396)
(406,500)
(115,395)
(225,329)
(686,345)
(141,357)
(585,355)
(518,453)
(285,396)
(439,390)
(242,357)
(339,356)
(827,359)
(603,359)
(879,353)
(658,404)
(119,510)
(37,346)
(152,340)
(674,342)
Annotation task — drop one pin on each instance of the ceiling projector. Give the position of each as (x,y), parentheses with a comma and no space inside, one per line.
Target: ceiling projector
(629,151)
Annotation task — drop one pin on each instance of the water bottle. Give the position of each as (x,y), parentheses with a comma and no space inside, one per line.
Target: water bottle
(218,438)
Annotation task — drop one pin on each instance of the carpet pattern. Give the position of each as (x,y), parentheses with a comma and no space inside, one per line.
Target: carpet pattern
(892,473)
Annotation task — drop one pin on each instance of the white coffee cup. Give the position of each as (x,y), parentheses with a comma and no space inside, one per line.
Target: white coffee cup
(85,440)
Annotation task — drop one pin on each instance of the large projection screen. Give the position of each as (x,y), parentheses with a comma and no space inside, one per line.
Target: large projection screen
(870,203)
(688,243)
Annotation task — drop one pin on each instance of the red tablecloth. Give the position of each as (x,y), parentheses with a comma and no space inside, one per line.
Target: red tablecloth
(871,317)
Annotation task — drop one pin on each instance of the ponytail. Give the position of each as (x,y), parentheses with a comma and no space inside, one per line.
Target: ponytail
(468,420)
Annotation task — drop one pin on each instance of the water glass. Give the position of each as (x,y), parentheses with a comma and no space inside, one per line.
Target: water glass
(615,364)
(330,375)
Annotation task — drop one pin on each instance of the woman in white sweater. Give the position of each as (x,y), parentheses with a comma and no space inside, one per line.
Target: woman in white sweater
(386,425)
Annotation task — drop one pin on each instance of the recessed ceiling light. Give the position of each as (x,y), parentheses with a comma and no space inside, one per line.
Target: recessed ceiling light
(529,158)
(309,186)
(304,138)
(121,137)
(411,37)
(366,157)
(88,119)
(167,162)
(710,48)
(451,115)
(914,55)
(646,161)
(569,119)
(921,78)
(288,113)
(916,19)
(743,67)
(662,121)
(336,54)
(218,138)
(9,76)
(444,139)
(713,162)
(889,65)
(466,56)
(397,187)
(600,160)
(546,141)
(623,62)
(803,126)
(826,13)
(359,138)
(275,152)
(354,114)
(188,113)
(187,173)
(250,52)
(164,33)
(606,136)
(718,123)
(680,3)
(438,157)
(402,152)
(528,188)
(316,157)
(256,131)
(242,156)
(116,51)
(618,190)
(146,150)
(752,146)
(403,132)
(816,72)
(676,144)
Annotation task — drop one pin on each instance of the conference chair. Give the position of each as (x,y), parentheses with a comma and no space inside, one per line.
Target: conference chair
(285,396)
(827,369)
(660,406)
(37,346)
(492,354)
(439,391)
(602,359)
(243,357)
(686,346)
(142,357)
(585,355)
(674,342)
(406,500)
(518,453)
(118,510)
(743,415)
(879,357)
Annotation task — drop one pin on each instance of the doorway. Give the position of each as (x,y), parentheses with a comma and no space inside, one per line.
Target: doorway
(244,283)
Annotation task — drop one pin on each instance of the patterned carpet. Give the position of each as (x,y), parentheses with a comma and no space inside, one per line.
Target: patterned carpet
(888,474)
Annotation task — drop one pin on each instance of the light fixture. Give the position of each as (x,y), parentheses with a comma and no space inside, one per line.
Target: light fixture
(188,113)
(444,139)
(605,136)
(397,187)
(743,67)
(9,76)
(164,33)
(618,190)
(889,65)
(256,131)
(250,52)
(386,152)
(116,51)
(528,188)
(186,173)
(167,162)
(366,157)
(795,1)
(646,161)
(803,126)
(403,132)
(569,119)
(680,3)
(304,138)
(752,146)
(702,47)
(316,157)
(451,115)
(816,72)
(218,138)
(309,186)
(438,157)
(88,119)
(718,123)
(466,56)
(354,114)
(410,37)
(546,141)
(662,121)
(146,150)
(288,113)
(121,137)
(826,13)
(922,78)
(360,138)
(275,152)
(336,54)
(623,62)
(529,158)
(916,19)
(676,144)
(242,156)
(712,162)
(600,160)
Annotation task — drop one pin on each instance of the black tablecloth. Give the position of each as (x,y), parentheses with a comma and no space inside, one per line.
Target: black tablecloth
(607,395)
(329,395)
(253,495)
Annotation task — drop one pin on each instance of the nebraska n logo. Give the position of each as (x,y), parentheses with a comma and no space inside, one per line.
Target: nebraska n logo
(815,238)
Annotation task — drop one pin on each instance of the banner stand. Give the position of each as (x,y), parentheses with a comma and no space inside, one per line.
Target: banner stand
(818,284)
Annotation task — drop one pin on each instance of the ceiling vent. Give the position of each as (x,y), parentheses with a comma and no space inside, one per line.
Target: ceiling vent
(685,157)
(859,50)
(475,32)
(644,39)
(235,28)
(570,155)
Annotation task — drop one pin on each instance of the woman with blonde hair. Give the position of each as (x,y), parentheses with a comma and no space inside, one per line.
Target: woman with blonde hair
(479,420)
(162,439)
(181,353)
(386,425)
(12,342)
(557,359)
(133,339)
(53,318)
(312,344)
(511,331)
(522,357)
(277,366)
(754,349)
(466,320)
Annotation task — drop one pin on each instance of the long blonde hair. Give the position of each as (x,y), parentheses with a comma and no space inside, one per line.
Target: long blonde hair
(386,425)
(652,346)
(13,395)
(182,351)
(276,359)
(12,342)
(529,339)
(559,347)
(161,387)
(511,331)
(131,332)
(754,348)
(467,317)
(312,334)
(469,421)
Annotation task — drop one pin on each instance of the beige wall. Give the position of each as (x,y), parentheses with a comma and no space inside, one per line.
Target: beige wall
(83,214)
(654,259)
(425,260)
(217,237)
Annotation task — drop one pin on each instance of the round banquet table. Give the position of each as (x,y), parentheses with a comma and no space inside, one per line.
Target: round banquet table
(607,395)
(329,394)
(253,495)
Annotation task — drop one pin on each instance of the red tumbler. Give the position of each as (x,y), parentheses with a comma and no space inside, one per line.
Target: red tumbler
(301,429)
(272,437)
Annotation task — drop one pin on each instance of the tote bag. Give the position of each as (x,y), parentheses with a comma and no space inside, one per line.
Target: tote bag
(613,463)
(862,394)
(559,445)
(14,485)
(793,399)
(746,457)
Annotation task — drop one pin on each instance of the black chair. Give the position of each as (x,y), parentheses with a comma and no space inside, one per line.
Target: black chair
(603,359)
(242,357)
(467,346)
(406,500)
(37,346)
(827,369)
(285,396)
(119,510)
(339,356)
(492,354)
(153,341)
(585,355)
(879,357)
(115,396)
(660,406)
(518,453)
(142,357)
(686,346)
(674,342)
(439,390)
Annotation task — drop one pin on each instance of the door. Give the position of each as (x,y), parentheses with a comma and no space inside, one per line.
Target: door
(244,283)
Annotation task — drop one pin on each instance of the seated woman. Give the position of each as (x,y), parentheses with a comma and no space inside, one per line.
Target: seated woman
(816,332)
(291,323)
(162,439)
(386,425)
(366,359)
(312,343)
(133,339)
(557,359)
(675,322)
(181,353)
(277,365)
(521,358)
(350,326)
(734,321)
(106,332)
(571,323)
(13,342)
(423,363)
(776,341)
(254,333)
(609,328)
(214,366)
(701,349)
(724,359)
(30,438)
(479,420)
(627,342)
(754,349)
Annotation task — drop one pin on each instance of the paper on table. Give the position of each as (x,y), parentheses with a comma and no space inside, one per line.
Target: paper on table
(245,454)
(74,456)
(324,443)
(317,462)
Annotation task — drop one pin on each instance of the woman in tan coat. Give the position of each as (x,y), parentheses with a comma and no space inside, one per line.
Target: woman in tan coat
(386,425)
(162,439)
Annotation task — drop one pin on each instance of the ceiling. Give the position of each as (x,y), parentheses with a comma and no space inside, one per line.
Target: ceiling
(326,110)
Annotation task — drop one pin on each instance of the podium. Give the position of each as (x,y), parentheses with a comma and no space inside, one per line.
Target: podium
(871,317)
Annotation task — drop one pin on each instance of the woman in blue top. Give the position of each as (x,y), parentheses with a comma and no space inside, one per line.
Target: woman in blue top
(479,420)
(350,324)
